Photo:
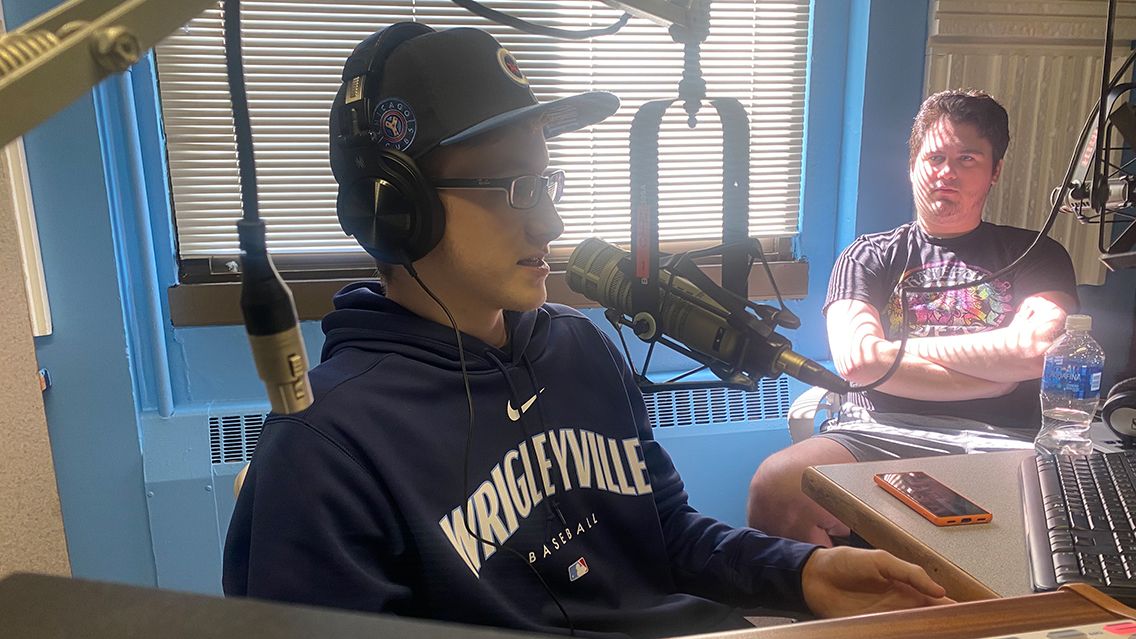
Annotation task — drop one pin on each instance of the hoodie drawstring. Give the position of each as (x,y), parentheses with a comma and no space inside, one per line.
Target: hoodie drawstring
(548,433)
(551,503)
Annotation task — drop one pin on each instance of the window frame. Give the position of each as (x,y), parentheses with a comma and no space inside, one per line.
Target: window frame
(312,277)
(218,303)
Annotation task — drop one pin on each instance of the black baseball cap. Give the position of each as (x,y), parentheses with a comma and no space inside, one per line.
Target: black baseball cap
(443,87)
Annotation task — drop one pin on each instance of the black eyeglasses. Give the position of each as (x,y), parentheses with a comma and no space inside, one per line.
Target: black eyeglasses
(524,191)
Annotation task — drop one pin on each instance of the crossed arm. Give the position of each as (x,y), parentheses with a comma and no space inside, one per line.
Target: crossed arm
(956,367)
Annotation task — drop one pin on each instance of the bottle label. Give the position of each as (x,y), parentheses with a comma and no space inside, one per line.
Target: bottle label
(1082,381)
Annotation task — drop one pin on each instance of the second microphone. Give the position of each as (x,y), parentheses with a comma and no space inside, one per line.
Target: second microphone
(596,270)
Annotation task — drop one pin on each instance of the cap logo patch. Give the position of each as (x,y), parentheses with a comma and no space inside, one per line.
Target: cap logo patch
(396,124)
(509,64)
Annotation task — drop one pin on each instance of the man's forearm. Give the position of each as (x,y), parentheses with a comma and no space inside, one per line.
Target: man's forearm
(1013,353)
(1001,355)
(920,378)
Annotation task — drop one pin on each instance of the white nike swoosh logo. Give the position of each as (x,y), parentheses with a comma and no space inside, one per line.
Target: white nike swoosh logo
(513,413)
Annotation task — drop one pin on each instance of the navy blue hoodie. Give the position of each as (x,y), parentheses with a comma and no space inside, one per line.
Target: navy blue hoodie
(367,499)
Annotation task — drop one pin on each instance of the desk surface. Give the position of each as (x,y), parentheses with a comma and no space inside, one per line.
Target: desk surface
(972,562)
(47,607)
(43,607)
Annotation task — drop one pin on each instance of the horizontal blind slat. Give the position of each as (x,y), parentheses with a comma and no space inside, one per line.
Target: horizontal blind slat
(294,51)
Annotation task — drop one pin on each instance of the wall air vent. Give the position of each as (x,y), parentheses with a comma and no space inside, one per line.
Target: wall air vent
(719,405)
(232,438)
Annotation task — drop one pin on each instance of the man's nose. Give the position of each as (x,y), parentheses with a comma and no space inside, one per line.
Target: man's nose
(544,223)
(947,170)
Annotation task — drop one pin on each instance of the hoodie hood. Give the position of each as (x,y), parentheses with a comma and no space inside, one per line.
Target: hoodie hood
(365,319)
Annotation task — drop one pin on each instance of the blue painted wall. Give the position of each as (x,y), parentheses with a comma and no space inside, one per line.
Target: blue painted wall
(140,499)
(91,408)
(866,82)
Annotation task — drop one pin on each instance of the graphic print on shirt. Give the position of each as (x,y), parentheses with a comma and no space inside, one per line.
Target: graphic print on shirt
(968,310)
(522,479)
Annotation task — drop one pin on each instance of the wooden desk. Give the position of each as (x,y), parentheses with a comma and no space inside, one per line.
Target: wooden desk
(973,620)
(971,562)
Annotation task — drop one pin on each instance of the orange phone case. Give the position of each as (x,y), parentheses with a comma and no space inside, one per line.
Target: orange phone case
(938,520)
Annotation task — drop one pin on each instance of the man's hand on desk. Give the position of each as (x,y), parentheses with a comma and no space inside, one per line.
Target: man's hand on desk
(843,581)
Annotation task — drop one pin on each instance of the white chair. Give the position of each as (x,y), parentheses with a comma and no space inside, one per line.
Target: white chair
(239,481)
(804,411)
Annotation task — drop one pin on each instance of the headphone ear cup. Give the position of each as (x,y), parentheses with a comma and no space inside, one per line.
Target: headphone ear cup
(396,216)
(1119,408)
(428,217)
(382,235)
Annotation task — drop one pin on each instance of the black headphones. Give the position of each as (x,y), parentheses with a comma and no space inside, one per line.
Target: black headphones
(384,200)
(1119,408)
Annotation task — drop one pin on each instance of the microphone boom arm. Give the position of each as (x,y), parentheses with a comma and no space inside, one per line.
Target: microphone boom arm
(61,54)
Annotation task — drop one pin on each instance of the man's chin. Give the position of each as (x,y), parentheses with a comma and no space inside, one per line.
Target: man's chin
(940,210)
(528,302)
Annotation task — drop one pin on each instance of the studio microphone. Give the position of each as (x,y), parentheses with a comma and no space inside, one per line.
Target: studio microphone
(598,271)
(272,325)
(1083,194)
(266,302)
(1120,194)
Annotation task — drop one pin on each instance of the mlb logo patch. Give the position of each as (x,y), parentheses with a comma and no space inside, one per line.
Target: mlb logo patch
(578,569)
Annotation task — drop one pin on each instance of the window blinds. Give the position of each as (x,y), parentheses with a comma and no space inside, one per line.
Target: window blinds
(294,52)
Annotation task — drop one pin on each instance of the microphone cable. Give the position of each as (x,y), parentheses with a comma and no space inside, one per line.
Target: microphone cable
(269,311)
(469,443)
(537,29)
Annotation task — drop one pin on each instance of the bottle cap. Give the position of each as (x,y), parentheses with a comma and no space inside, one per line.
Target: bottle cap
(1078,322)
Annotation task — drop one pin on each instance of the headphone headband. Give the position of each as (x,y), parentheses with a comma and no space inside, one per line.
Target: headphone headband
(362,76)
(384,200)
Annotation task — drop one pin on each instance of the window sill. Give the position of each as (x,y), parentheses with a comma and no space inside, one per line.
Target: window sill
(219,304)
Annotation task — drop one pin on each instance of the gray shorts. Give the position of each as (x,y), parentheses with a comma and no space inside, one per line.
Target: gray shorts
(880,436)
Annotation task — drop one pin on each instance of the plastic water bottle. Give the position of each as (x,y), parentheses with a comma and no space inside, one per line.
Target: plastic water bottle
(1070,389)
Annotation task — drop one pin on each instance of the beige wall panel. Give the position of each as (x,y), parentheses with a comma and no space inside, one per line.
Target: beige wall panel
(31,526)
(1042,61)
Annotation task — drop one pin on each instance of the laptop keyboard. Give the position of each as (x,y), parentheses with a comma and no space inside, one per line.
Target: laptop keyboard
(1079,520)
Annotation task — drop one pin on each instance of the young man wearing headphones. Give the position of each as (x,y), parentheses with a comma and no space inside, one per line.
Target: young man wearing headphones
(473,453)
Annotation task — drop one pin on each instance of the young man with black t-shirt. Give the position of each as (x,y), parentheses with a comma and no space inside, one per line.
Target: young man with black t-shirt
(968,380)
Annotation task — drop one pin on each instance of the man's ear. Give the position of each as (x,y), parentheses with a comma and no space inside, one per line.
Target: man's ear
(997,173)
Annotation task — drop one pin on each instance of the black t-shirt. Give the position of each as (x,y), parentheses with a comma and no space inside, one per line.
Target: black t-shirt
(873,267)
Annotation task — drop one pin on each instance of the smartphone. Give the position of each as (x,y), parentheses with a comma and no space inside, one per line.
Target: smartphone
(937,503)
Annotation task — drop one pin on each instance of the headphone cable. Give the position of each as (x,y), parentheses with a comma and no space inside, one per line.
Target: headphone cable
(469,442)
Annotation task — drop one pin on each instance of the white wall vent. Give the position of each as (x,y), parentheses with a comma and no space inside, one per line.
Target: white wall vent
(232,438)
(706,406)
